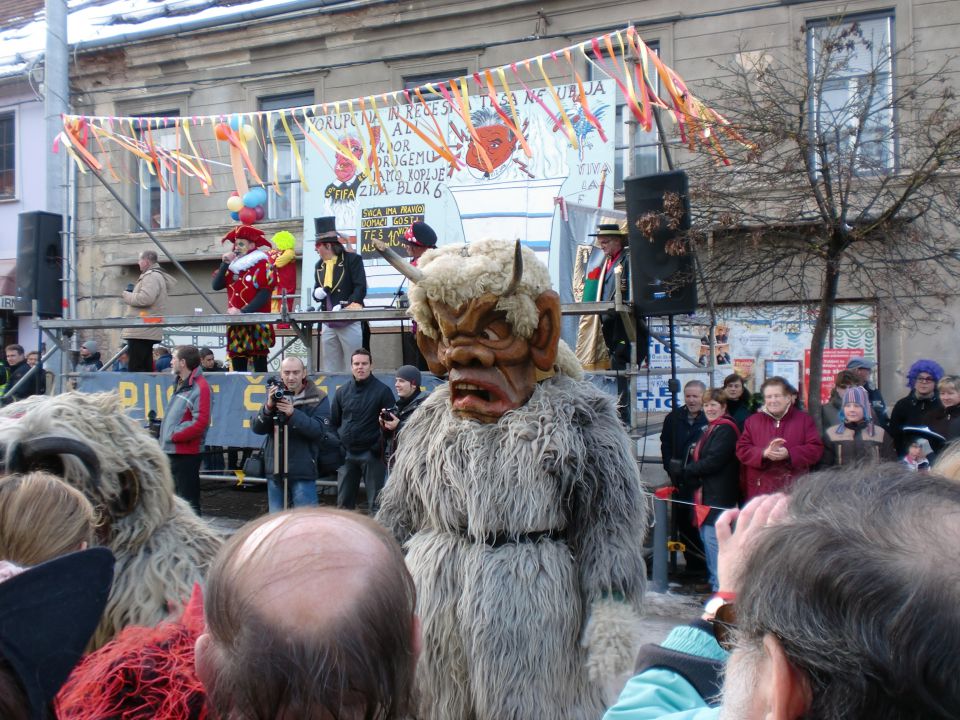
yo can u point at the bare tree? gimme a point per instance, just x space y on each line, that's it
847 187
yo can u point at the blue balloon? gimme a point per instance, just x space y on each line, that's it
261 195
235 122
235 216
250 199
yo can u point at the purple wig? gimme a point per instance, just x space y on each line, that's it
930 367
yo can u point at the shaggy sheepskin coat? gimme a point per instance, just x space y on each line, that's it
162 548
524 539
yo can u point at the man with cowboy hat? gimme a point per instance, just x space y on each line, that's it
249 277
340 282
613 240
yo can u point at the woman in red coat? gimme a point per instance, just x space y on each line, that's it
779 443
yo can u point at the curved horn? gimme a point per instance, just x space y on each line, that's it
412 274
517 271
29 452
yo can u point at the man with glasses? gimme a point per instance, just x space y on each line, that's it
831 607
922 379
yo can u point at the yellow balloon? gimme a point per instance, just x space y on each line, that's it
234 204
249 133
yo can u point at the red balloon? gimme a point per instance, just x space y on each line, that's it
222 131
248 216
260 212
234 194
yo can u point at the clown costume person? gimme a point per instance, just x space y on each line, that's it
249 277
284 259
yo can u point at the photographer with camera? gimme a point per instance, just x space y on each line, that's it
409 397
297 410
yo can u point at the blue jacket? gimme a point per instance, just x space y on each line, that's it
306 431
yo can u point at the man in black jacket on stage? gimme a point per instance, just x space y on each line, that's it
339 283
355 415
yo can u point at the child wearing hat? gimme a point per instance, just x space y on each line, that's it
856 438
917 452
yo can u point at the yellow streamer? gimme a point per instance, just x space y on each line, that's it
294 145
571 135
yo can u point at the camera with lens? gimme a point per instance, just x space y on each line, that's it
277 390
388 414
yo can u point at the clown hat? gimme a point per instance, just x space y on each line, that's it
421 235
248 233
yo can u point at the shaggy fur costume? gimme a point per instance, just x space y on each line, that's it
516 625
456 273
162 548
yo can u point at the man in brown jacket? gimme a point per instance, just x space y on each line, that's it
148 298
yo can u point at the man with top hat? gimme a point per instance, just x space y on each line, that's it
249 277
340 283
418 238
612 239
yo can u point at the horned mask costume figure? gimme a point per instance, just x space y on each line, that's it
518 500
162 548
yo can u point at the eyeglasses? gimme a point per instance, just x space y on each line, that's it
925 378
725 626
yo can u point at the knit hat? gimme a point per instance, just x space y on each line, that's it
91 346
409 373
856 396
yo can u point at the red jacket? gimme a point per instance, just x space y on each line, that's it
762 476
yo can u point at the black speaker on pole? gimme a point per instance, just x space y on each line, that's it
662 274
39 264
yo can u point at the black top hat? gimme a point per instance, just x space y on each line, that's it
47 616
420 234
326 229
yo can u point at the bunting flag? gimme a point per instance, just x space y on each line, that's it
621 55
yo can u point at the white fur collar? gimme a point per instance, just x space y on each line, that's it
245 262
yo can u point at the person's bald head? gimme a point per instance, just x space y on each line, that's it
310 602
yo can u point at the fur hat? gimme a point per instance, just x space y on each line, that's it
48 614
421 235
409 373
248 233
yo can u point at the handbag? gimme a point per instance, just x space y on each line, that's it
255 466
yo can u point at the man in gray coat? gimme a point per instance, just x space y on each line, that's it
148 298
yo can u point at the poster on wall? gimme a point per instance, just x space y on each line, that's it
750 337
501 186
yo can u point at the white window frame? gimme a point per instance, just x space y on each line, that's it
169 213
648 159
845 86
289 205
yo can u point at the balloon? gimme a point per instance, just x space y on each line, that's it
250 199
260 212
222 131
261 196
249 133
248 215
234 194
235 122
234 203
235 216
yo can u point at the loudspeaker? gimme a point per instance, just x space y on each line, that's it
39 264
662 281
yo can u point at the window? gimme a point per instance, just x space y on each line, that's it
646 155
158 207
414 81
279 154
851 69
8 163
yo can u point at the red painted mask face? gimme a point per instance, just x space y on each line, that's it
497 142
346 167
490 369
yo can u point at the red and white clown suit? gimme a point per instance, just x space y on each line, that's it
249 277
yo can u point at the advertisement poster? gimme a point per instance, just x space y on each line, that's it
497 191
834 360
750 336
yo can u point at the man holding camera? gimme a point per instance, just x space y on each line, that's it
409 397
300 409
357 406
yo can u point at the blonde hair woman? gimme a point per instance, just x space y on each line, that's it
41 517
